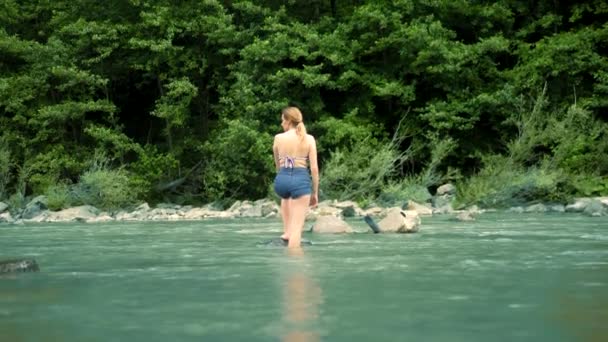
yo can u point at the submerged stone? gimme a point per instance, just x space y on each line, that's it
17 265
278 242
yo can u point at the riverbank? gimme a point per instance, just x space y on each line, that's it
36 211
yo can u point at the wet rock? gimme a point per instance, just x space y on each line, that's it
443 204
421 209
465 216
446 189
536 208
6 218
81 213
578 206
269 208
143 207
278 242
331 225
374 211
400 221
35 207
556 208
595 208
18 265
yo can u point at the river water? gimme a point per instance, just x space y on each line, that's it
504 277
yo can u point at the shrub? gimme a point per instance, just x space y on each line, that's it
105 189
239 163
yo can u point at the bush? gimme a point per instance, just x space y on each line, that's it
239 163
502 184
59 196
105 189
398 193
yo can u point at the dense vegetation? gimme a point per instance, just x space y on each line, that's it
113 102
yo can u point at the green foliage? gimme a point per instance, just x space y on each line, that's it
152 168
59 196
362 170
106 189
477 89
502 184
5 168
238 163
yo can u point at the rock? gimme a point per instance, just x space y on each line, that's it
536 208
446 189
269 208
326 211
143 207
557 208
578 206
517 210
421 209
3 207
465 216
6 218
168 206
349 212
604 200
345 204
81 213
374 211
278 242
331 225
400 221
235 206
35 207
443 204
14 266
103 217
595 208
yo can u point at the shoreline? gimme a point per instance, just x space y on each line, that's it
36 212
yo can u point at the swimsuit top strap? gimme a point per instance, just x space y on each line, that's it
290 162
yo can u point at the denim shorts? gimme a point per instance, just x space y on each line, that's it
292 182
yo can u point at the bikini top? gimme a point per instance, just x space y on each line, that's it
290 162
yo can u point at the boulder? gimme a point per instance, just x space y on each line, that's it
446 189
536 208
400 221
465 216
35 207
331 225
81 213
421 209
578 206
6 218
595 208
18 265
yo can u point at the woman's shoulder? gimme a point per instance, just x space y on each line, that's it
310 138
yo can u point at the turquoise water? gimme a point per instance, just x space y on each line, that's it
502 278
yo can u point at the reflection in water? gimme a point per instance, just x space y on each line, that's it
301 299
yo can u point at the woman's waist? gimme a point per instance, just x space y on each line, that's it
297 169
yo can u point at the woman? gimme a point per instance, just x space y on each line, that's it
293 150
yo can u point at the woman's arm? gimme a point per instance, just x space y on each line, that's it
314 171
275 152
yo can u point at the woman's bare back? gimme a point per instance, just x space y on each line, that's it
289 145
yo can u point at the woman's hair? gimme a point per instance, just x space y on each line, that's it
294 116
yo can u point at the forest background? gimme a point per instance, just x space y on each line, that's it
115 102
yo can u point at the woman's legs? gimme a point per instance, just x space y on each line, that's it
297 215
285 204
